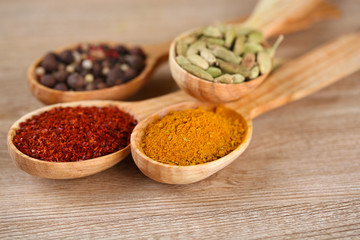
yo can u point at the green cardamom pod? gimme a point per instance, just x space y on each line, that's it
252 47
233 68
276 45
216 41
221 26
230 36
181 48
214 71
255 36
254 72
190 39
196 47
239 45
212 46
238 78
264 59
208 56
199 72
248 60
226 78
182 61
242 31
226 55
212 31
198 61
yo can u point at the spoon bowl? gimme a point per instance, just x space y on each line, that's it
206 90
173 174
65 170
155 55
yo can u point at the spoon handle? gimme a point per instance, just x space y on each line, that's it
144 108
304 76
272 16
320 12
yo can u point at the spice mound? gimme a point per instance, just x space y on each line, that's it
90 67
192 136
70 134
225 53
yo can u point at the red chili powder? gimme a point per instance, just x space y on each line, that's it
74 133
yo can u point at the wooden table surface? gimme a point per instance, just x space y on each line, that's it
300 177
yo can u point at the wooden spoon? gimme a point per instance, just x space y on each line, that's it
290 82
270 17
155 55
294 80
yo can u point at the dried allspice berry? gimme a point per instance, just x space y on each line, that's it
135 61
66 57
130 74
50 62
76 81
61 76
115 77
137 51
61 87
48 80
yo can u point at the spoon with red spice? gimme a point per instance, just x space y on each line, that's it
296 79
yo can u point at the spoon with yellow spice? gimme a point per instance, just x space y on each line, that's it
188 142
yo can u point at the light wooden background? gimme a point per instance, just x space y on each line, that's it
300 177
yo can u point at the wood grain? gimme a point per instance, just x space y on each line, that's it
298 179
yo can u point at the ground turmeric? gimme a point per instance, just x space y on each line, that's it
192 136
